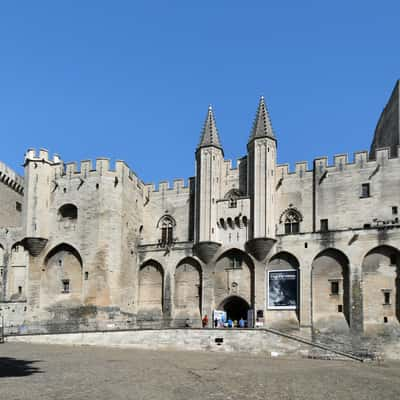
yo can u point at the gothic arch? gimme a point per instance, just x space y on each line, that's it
330 280
381 286
166 217
291 210
283 260
61 279
234 276
64 247
188 289
283 293
151 287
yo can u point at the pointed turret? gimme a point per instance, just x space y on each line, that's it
209 134
209 165
262 124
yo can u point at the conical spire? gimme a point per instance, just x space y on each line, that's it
209 134
262 124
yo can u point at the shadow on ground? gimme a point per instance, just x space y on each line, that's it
12 367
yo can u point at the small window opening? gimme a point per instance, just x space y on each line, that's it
86 275
340 308
60 262
365 190
18 206
97 186
334 288
385 320
394 210
65 190
19 289
324 225
65 283
386 298
68 211
305 245
232 203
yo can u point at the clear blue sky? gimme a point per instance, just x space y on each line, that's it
132 80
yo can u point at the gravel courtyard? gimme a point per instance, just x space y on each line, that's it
62 372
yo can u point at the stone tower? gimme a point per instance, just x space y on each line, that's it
261 175
209 162
38 177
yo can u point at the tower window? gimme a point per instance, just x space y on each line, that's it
292 222
68 211
65 283
334 288
386 297
365 190
394 210
19 289
18 206
324 225
167 231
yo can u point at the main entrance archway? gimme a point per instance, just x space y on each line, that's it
235 308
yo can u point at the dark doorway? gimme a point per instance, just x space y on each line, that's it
235 308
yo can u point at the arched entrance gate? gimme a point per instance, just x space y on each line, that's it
235 308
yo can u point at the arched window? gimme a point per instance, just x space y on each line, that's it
166 224
291 219
68 211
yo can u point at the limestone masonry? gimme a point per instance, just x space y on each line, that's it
90 246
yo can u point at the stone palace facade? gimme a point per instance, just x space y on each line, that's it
91 246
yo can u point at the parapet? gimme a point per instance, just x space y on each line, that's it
86 168
42 155
178 186
10 178
341 162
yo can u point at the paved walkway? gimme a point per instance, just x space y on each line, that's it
41 372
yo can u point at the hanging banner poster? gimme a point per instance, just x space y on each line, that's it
282 289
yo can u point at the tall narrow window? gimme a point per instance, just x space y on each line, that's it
65 283
365 190
324 225
334 288
386 297
167 231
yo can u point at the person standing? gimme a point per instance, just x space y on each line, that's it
205 321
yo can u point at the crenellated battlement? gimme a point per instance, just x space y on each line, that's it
178 186
10 178
341 162
86 168
41 155
228 164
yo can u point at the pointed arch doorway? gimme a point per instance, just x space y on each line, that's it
235 308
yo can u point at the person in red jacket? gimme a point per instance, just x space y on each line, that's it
205 321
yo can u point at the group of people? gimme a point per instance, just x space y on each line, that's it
221 323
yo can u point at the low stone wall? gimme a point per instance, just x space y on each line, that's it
223 340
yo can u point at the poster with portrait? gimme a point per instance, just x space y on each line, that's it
282 289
